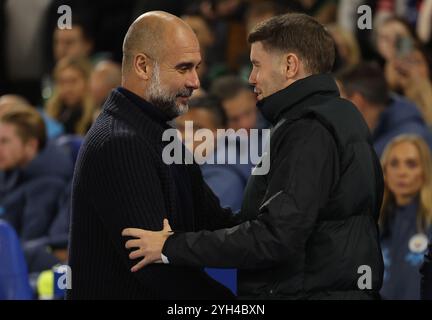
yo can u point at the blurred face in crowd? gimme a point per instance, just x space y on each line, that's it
241 111
204 36
387 36
253 20
413 65
71 86
418 60
14 152
269 72
174 76
104 77
404 172
201 29
202 119
99 88
71 43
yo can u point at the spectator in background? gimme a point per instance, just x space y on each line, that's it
76 42
406 215
34 173
414 74
71 103
408 10
387 115
208 70
239 103
226 180
105 76
257 12
226 20
347 47
392 37
53 127
50 249
324 11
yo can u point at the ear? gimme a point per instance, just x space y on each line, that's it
358 100
89 46
141 65
32 146
292 65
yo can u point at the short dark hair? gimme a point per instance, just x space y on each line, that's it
367 79
228 87
212 105
28 123
301 34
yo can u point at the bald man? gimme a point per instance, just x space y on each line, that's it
121 180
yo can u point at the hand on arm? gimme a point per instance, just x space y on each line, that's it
148 244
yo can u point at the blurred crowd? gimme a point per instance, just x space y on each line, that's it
53 84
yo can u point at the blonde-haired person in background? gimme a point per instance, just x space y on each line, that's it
347 47
71 103
414 72
406 215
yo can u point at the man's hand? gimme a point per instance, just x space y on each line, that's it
149 244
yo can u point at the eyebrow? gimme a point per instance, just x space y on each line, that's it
187 65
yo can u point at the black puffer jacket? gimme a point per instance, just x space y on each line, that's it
311 222
426 271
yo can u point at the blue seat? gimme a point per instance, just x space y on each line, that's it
14 281
227 277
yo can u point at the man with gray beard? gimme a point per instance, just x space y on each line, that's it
121 180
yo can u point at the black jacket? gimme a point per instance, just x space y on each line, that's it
312 220
426 271
121 181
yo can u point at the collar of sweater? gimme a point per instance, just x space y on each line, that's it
151 110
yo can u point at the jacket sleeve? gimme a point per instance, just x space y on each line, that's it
300 180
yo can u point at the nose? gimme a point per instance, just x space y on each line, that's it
193 81
402 171
252 78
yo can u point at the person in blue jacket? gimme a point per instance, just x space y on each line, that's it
45 252
406 215
225 179
387 114
33 173
53 128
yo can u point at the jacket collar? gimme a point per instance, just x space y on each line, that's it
151 110
296 94
133 112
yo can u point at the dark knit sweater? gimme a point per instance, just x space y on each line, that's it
121 181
